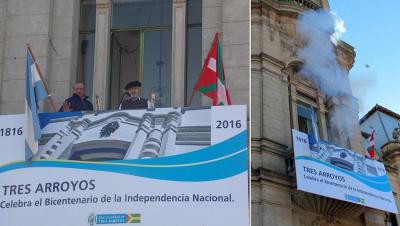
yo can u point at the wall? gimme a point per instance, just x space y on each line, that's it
50 27
231 17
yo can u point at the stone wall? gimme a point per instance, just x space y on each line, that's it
50 27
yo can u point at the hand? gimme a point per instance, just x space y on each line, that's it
67 107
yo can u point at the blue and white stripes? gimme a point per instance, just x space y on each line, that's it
34 93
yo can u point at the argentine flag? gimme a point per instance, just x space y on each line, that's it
34 93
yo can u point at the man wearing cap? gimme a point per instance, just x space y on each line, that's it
134 101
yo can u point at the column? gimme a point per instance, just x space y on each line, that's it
3 20
102 52
235 42
151 147
374 217
211 23
322 118
293 103
178 53
141 134
169 135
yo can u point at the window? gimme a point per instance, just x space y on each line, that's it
308 120
194 48
86 44
141 48
141 13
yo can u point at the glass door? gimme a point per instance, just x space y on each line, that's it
141 49
125 63
157 66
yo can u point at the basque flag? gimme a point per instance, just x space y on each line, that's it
34 93
212 82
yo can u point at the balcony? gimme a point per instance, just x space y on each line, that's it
309 4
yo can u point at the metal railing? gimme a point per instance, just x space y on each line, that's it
303 3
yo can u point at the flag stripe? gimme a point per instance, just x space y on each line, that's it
208 89
34 93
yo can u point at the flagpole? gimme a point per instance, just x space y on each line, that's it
53 105
191 98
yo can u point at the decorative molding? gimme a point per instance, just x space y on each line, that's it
331 208
179 1
262 174
103 5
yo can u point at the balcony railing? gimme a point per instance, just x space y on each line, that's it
303 3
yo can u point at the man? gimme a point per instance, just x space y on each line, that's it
134 101
78 101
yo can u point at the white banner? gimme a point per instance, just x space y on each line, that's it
162 167
335 172
12 142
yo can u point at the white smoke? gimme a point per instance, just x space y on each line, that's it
362 84
321 30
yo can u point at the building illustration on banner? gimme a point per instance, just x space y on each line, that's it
344 159
121 135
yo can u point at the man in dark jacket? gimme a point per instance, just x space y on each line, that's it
134 101
78 101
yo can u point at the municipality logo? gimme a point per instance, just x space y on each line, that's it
92 219
114 219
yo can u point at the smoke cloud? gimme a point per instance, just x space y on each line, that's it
321 30
362 84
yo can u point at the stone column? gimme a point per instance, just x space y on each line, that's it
322 118
211 23
102 52
21 23
3 20
235 48
374 217
140 137
178 72
169 134
391 159
63 52
293 103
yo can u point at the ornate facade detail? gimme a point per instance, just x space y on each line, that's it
396 134
125 135
108 129
330 208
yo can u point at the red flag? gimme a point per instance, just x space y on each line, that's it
371 148
212 78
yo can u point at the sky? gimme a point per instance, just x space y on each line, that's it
373 29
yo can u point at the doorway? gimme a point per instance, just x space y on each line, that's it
145 56
125 61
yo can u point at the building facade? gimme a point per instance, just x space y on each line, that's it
283 99
106 43
383 121
118 135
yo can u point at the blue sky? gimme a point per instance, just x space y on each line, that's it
373 29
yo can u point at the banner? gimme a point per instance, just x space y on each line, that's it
328 170
166 167
12 139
